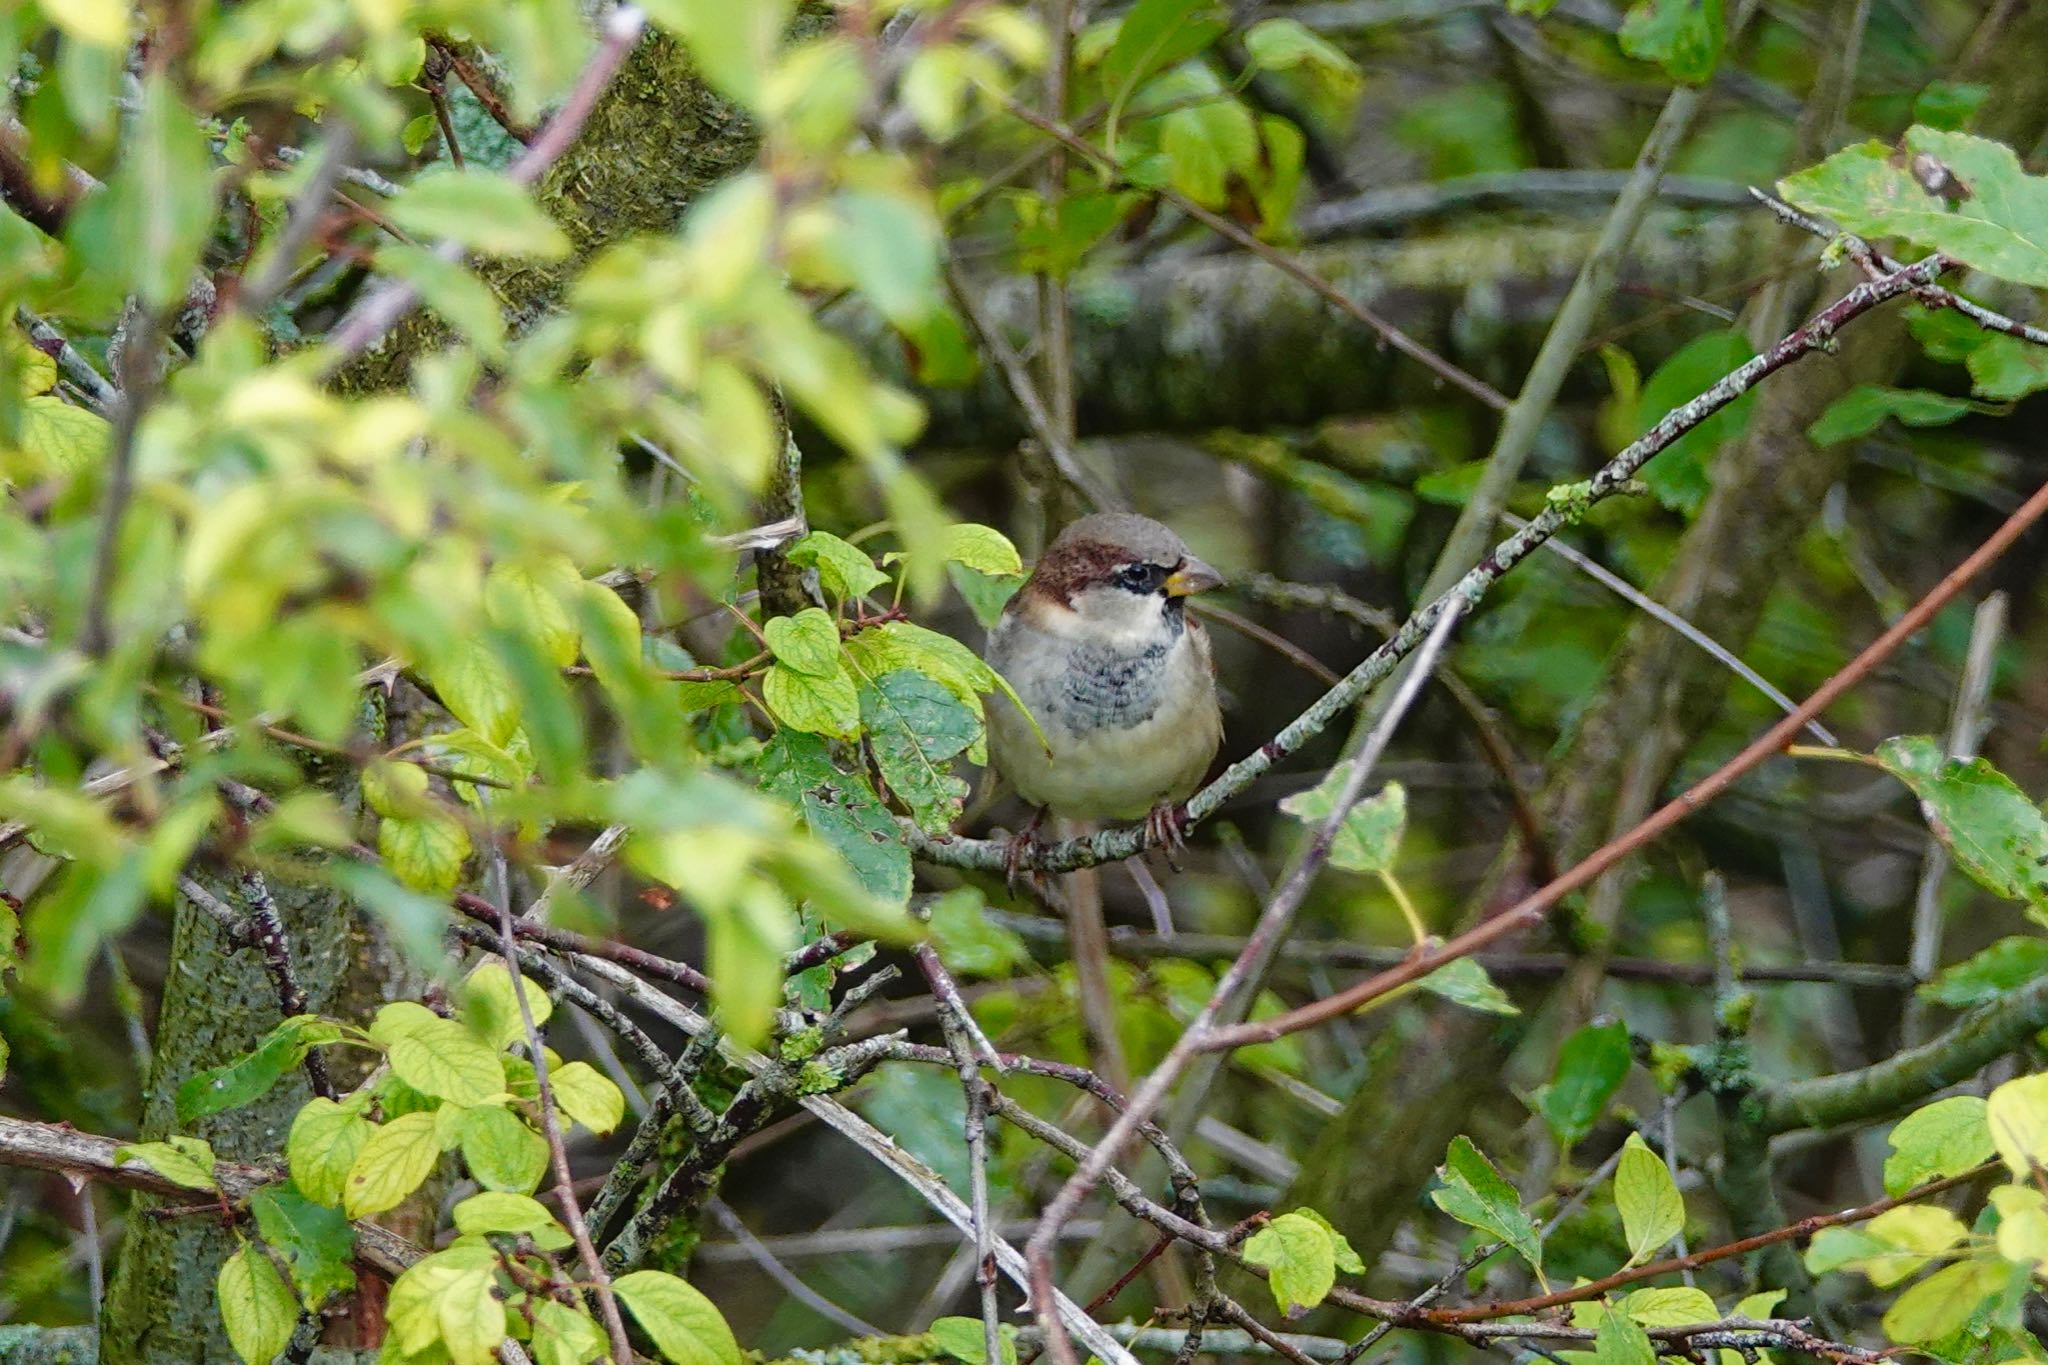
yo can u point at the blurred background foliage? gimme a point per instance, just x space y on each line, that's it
826 229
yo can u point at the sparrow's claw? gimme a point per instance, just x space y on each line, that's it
1017 846
1166 829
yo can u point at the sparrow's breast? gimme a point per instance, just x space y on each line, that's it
1127 727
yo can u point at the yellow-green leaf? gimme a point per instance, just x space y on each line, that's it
391 1164
679 1320
256 1306
1652 1212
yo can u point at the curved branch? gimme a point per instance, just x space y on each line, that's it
1979 1037
88 1156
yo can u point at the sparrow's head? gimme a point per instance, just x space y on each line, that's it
1117 573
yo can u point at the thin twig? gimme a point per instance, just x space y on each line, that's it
1110 845
1967 724
1651 607
1286 263
1272 926
139 370
558 1152
1535 906
787 1278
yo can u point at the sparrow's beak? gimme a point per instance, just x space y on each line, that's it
1191 577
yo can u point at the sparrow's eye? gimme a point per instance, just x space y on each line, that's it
1140 578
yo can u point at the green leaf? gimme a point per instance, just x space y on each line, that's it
1462 981
888 245
1288 44
1347 1258
465 302
426 852
1864 409
844 570
59 439
1370 836
1477 1195
318 1242
184 1161
748 939
412 1313
1911 1237
915 729
971 944
1940 1139
473 684
1591 1066
565 1336
256 1306
1300 1259
1994 832
502 1212
1676 1306
157 211
984 595
236 1083
2017 1115
1978 980
1949 105
1679 477
393 1162
481 210
2006 369
1943 1302
681 1322
1652 1211
822 705
471 1317
808 642
323 1143
1208 147
841 809
981 548
536 599
448 1063
491 1011
1966 197
590 1099
734 45
1620 1340
1682 36
501 1151
1154 35
965 1340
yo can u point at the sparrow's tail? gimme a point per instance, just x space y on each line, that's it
1089 935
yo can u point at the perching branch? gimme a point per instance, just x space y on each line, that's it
1567 506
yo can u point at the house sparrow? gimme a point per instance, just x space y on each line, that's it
1099 647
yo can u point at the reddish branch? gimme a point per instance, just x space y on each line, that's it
1531 909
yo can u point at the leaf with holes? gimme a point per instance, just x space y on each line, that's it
841 808
916 728
1963 196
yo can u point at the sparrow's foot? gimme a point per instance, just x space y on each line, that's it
1018 847
1166 829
